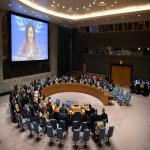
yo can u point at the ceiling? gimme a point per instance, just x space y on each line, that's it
74 13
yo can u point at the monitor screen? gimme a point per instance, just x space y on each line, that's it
29 38
68 104
57 101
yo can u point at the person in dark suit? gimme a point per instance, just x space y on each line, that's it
104 116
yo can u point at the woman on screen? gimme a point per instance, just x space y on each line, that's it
30 49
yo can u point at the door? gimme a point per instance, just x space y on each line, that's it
121 75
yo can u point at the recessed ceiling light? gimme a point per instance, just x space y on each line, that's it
70 8
130 9
112 5
94 3
102 2
90 5
9 5
63 6
53 2
52 5
83 7
116 2
139 15
77 8
58 5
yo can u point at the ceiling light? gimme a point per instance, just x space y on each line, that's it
9 5
139 15
94 3
83 7
148 49
53 2
102 2
52 5
112 5
63 6
70 8
58 5
116 2
77 8
90 5
135 8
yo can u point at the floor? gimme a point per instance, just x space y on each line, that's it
132 127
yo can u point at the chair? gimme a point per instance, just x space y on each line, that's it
37 129
30 126
109 132
127 98
75 125
50 133
86 136
62 124
60 134
84 125
120 98
22 121
53 123
77 116
101 135
76 135
16 117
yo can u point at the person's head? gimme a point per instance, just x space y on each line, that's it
30 33
103 110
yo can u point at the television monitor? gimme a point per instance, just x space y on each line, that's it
29 38
57 101
68 104
137 82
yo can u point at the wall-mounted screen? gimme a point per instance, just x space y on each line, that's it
29 38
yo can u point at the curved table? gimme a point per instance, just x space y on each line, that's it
77 87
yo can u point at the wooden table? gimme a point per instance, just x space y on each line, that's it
77 87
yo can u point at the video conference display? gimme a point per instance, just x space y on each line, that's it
29 39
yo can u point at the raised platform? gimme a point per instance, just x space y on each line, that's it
77 87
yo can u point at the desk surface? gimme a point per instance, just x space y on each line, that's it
77 87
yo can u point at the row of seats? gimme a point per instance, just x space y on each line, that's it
121 96
58 130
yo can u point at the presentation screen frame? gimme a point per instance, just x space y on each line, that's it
10 38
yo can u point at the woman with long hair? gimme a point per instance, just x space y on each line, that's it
30 49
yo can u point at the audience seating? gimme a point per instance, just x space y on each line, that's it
101 135
50 133
60 134
75 125
76 135
22 121
30 126
109 132
37 129
127 98
86 136
62 124
84 125
53 123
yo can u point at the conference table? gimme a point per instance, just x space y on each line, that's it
102 95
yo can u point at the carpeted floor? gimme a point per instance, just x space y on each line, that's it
132 127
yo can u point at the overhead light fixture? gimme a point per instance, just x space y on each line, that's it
85 16
102 2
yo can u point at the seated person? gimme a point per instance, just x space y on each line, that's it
62 109
104 116
91 110
94 117
99 126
